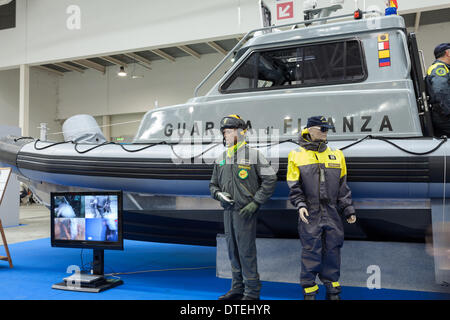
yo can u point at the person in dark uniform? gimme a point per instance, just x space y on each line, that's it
317 178
438 87
101 204
242 181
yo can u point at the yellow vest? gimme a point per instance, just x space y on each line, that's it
437 64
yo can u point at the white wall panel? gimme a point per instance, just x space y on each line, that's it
14 42
109 26
43 99
43 102
9 97
429 36
168 83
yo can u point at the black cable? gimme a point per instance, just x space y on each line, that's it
51 145
386 139
355 143
195 157
122 146
411 152
146 147
275 143
23 138
95 147
82 267
86 267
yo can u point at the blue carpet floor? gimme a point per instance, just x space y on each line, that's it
37 266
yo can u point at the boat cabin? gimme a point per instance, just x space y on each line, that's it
363 75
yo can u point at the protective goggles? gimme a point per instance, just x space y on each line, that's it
323 129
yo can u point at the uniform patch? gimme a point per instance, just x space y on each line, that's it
334 165
332 157
441 72
243 174
221 163
244 167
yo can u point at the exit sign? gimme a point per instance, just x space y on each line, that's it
285 10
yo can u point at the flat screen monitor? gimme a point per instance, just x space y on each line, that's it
91 220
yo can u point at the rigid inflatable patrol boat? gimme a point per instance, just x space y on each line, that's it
365 75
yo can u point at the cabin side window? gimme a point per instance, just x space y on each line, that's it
307 65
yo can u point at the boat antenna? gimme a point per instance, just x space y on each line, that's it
265 15
311 10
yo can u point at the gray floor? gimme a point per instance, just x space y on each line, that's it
34 224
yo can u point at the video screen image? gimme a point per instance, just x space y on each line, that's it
101 207
69 229
86 218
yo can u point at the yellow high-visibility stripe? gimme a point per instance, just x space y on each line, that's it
232 150
301 157
343 165
311 289
305 132
434 66
293 173
335 284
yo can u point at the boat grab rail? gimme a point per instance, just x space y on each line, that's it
405 48
269 28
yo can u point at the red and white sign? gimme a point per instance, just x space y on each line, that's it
285 10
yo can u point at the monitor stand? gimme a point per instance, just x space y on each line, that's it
95 282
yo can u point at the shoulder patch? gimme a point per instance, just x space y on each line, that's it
441 72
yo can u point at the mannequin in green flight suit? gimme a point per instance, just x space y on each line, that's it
242 181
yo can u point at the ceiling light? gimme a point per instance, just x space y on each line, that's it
122 72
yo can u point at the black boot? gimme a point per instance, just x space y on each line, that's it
333 296
231 296
309 297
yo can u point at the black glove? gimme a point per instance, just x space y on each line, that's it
249 209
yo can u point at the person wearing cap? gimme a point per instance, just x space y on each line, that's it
317 178
438 89
242 181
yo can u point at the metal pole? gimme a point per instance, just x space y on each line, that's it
43 132
24 99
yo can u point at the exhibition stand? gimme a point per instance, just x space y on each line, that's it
5 174
87 220
94 283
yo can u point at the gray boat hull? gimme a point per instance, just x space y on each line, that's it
170 202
